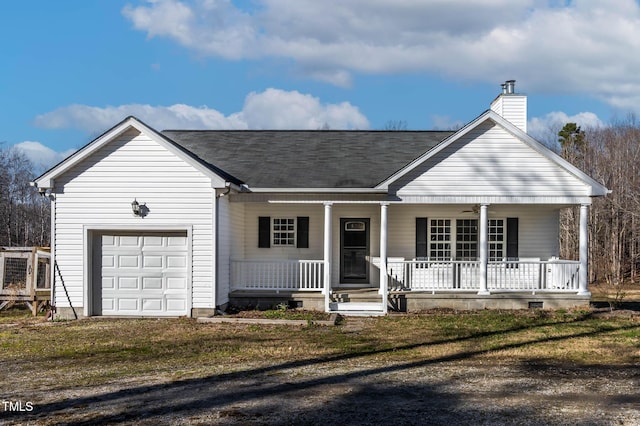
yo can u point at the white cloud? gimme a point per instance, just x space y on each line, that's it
278 109
580 46
271 109
41 156
546 128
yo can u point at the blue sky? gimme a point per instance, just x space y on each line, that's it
71 69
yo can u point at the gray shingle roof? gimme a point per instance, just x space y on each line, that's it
306 159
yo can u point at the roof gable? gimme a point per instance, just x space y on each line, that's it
47 179
555 167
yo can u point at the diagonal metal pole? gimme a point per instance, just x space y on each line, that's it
65 290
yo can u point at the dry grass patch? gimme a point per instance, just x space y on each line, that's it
101 351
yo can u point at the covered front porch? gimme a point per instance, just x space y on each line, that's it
457 258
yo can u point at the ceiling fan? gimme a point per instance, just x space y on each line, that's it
475 209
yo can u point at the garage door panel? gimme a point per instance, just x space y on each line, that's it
177 242
152 283
143 274
176 262
176 305
127 304
128 283
128 261
153 241
129 241
177 283
108 283
108 261
152 261
152 305
108 304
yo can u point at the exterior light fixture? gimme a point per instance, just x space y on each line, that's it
135 206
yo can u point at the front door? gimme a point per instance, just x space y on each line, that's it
354 251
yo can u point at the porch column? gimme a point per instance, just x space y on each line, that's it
583 276
327 255
383 251
483 249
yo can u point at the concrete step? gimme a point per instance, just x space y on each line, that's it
357 308
357 296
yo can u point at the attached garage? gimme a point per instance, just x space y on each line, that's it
140 274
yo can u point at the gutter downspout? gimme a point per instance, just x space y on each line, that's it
52 248
215 248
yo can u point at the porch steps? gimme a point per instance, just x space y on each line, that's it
357 308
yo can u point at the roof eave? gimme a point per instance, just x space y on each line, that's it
320 190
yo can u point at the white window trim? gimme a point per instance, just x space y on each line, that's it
502 242
452 241
277 242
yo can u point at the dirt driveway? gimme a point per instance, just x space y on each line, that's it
444 392
440 392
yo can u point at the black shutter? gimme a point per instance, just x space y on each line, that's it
302 232
264 232
421 237
512 238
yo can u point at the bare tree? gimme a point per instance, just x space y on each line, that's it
395 125
611 155
24 215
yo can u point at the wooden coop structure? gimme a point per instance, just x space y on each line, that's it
25 277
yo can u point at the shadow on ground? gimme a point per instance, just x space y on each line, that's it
458 388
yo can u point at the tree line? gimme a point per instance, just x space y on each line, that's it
24 214
611 155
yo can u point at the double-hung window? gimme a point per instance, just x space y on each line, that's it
496 239
466 239
284 231
440 239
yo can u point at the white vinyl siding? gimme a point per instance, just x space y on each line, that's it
97 193
489 162
513 108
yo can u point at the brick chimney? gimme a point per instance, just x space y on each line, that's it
511 105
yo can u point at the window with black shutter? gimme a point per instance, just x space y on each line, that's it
264 232
302 237
421 237
282 232
512 238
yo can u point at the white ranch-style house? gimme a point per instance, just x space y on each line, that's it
173 223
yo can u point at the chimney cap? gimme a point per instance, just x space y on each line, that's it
509 87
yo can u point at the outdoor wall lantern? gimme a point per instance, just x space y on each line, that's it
135 206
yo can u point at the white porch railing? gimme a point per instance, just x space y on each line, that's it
516 275
421 275
297 275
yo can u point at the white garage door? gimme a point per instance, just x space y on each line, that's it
143 274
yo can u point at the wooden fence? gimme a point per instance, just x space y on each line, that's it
25 277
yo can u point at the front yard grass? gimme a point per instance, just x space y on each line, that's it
36 354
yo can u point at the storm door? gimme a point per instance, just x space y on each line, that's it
354 251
